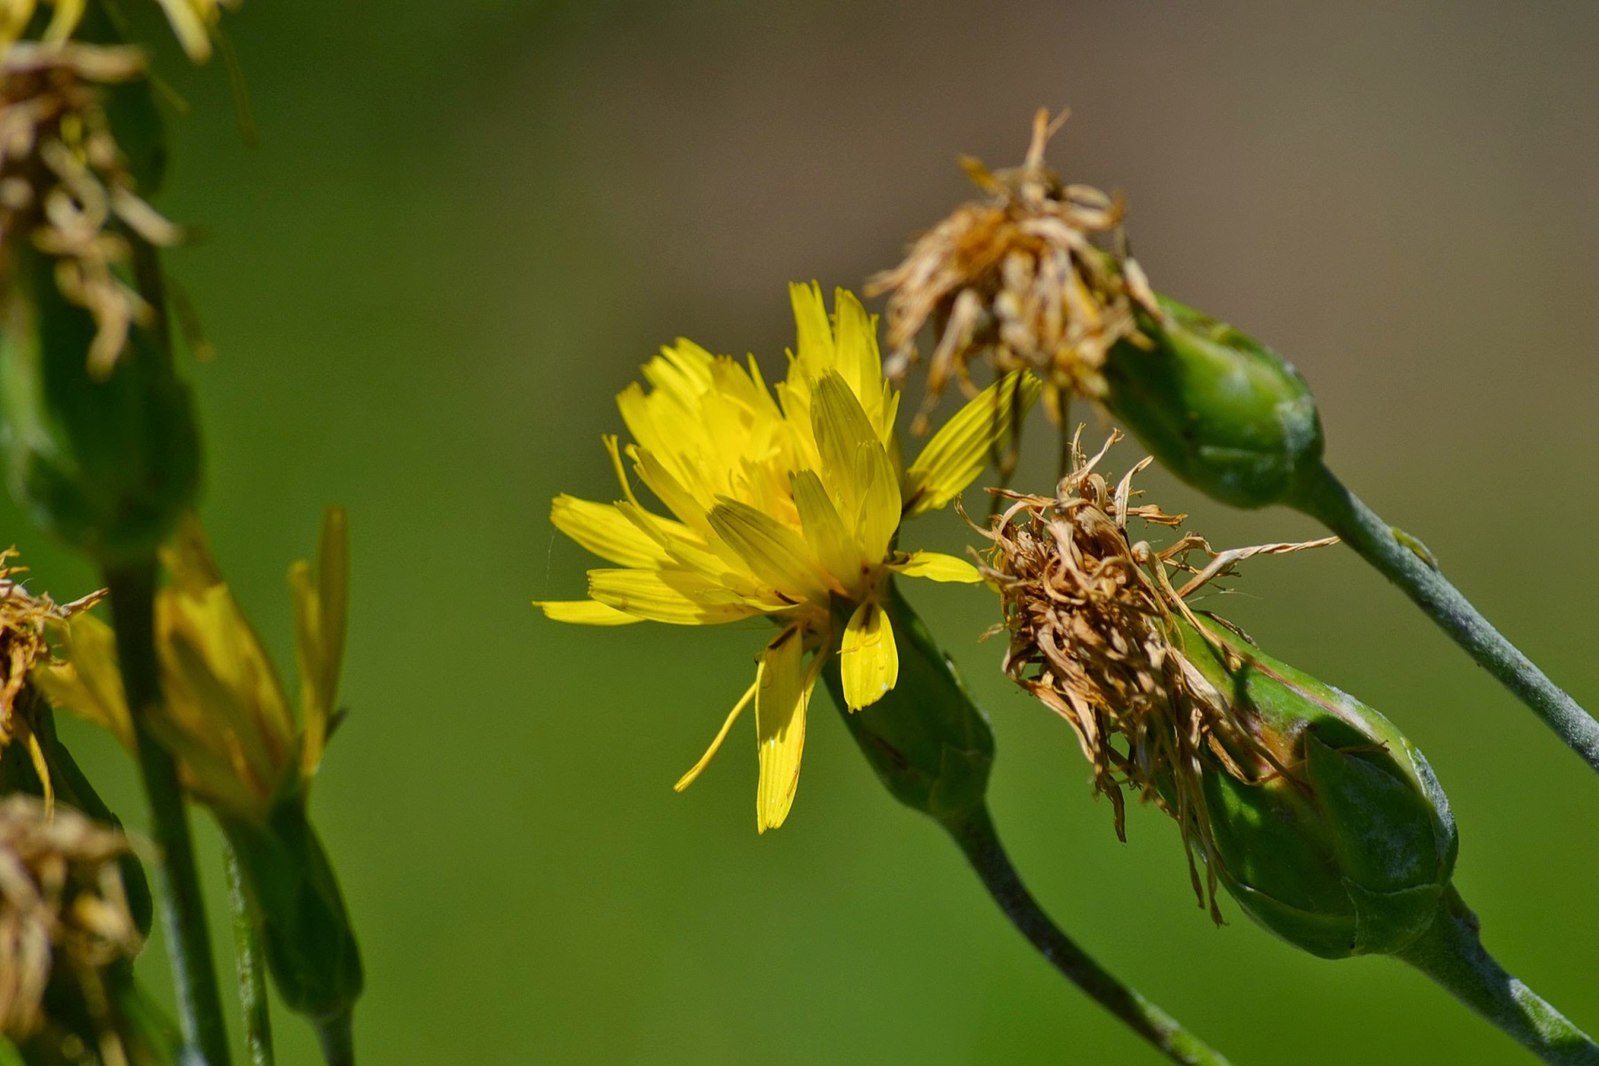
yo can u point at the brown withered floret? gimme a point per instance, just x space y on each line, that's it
1031 277
1091 613
23 645
65 186
63 912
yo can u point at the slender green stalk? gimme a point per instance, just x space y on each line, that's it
182 905
1404 562
251 966
974 832
1451 953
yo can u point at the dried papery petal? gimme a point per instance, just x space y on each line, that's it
66 187
1027 278
1099 635
63 912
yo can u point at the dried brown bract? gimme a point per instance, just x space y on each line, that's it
63 912
65 185
23 645
1029 277
1100 635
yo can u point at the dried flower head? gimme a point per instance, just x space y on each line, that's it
23 646
65 186
193 21
1100 634
63 912
1029 277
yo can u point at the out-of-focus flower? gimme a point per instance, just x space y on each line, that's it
193 21
785 506
63 913
225 716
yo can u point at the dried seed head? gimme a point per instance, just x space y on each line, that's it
1029 277
63 913
66 187
23 645
1100 635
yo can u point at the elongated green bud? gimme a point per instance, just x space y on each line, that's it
928 742
1226 414
295 901
108 462
1349 850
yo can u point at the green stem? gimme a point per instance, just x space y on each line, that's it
1451 953
974 832
251 965
1406 563
182 905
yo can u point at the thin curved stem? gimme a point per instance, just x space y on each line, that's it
1403 560
974 832
1451 953
181 903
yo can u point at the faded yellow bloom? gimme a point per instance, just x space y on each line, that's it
225 717
783 503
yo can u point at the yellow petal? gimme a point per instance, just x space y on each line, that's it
319 622
88 683
855 341
716 744
782 691
188 20
607 532
936 566
840 428
869 658
674 596
964 445
774 553
813 345
584 612
824 530
879 501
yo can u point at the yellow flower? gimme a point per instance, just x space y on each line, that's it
782 505
225 716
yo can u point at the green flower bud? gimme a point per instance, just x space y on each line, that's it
106 461
928 742
294 899
1226 414
1350 850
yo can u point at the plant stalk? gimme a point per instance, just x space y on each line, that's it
974 833
1406 563
182 905
1451 953
251 967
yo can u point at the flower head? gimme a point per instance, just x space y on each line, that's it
1101 635
63 913
225 716
783 502
193 21
1024 277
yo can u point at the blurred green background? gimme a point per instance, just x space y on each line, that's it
467 224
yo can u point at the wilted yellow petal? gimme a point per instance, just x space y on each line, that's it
673 596
88 683
868 658
716 744
774 553
606 531
782 691
936 566
584 612
966 443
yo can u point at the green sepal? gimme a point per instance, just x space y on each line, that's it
294 899
108 465
1351 851
927 741
1223 412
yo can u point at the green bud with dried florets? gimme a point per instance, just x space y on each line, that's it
1348 849
1223 412
926 740
1311 809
